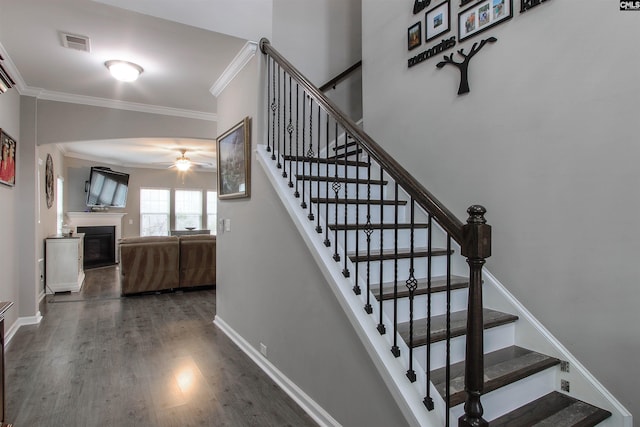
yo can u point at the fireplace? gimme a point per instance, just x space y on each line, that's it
99 245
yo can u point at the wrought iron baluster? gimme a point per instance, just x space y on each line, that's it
412 285
278 165
296 194
448 342
274 108
303 205
290 131
356 286
345 270
368 229
335 186
428 400
381 328
310 155
395 349
269 88
318 226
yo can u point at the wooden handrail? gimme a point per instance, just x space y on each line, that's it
340 77
421 195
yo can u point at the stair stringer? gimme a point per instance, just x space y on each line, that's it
531 334
409 396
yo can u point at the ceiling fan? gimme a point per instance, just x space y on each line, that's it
183 163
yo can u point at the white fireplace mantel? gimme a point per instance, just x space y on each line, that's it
94 219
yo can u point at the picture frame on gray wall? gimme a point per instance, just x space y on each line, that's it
8 148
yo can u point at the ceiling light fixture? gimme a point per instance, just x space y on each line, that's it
183 163
123 70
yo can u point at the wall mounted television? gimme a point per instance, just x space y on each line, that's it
107 188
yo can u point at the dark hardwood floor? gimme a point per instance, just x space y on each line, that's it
156 360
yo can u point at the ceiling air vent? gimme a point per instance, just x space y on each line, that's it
74 41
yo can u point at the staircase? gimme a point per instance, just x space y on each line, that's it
401 254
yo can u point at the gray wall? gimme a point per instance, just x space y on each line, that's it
66 122
547 141
10 231
270 290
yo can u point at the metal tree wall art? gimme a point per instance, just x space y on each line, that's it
464 65
418 5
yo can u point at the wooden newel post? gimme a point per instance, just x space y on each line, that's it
476 247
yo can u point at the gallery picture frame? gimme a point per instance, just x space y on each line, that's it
482 16
8 149
234 161
437 21
414 35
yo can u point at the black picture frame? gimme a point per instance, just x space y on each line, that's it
414 35
482 16
437 21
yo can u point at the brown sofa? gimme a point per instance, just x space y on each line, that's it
158 263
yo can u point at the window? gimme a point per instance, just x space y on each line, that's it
188 208
154 211
212 211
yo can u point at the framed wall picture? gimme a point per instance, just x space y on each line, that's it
414 35
438 20
234 158
482 16
8 160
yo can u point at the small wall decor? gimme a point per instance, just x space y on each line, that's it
234 161
414 35
48 181
464 65
463 2
419 5
529 4
8 159
482 16
438 21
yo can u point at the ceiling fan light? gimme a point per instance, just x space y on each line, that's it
183 164
123 70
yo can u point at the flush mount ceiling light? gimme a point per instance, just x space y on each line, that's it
123 70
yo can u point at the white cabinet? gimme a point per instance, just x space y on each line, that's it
63 260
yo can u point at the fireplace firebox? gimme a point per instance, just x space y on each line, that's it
99 245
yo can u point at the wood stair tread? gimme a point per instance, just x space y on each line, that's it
438 284
388 254
554 410
325 160
343 201
501 367
361 181
492 318
386 226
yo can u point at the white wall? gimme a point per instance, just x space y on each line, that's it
547 141
9 215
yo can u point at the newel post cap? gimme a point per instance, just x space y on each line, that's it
476 234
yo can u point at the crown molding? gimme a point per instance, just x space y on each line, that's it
43 94
235 66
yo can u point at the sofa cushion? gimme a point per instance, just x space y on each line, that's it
149 263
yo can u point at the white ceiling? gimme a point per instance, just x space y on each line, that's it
180 45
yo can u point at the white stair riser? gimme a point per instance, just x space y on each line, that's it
311 168
513 396
375 212
494 339
438 268
311 187
387 236
438 304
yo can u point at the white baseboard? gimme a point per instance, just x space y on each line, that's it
21 321
315 411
